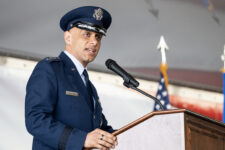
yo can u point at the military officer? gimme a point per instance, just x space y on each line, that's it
62 109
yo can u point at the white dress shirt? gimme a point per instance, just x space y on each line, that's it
79 66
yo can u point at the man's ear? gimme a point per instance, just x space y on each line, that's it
67 37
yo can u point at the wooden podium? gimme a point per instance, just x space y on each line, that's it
178 129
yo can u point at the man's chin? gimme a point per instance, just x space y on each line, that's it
90 60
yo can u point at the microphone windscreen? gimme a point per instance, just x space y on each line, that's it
108 63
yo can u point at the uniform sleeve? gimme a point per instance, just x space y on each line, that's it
105 125
40 101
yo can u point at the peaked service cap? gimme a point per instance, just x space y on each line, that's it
90 18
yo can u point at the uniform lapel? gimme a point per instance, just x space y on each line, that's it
75 78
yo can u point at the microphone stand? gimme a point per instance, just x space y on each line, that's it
129 85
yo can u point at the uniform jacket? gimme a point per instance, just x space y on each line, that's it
57 111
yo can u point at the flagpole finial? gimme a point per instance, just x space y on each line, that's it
162 46
223 59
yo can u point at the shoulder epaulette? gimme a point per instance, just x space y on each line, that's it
51 59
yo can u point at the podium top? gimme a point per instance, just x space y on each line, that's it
154 113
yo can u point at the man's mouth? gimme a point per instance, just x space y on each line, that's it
90 50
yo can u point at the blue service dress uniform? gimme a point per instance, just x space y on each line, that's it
58 112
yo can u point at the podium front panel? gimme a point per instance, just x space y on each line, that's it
159 132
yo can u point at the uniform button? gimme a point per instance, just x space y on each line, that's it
94 116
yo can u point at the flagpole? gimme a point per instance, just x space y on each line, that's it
162 47
162 93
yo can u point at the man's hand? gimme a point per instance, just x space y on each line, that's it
100 139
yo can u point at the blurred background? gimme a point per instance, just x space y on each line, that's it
193 30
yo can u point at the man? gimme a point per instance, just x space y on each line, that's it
62 108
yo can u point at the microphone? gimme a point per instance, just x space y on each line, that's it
128 79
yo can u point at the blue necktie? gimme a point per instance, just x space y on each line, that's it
88 86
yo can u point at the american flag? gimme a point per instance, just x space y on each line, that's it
162 95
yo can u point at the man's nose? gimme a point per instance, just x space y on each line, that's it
93 40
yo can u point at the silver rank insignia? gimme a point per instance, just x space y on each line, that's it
98 14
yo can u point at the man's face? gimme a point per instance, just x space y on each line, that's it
83 44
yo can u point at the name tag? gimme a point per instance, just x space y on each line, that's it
71 93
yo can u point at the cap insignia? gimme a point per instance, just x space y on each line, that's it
98 14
